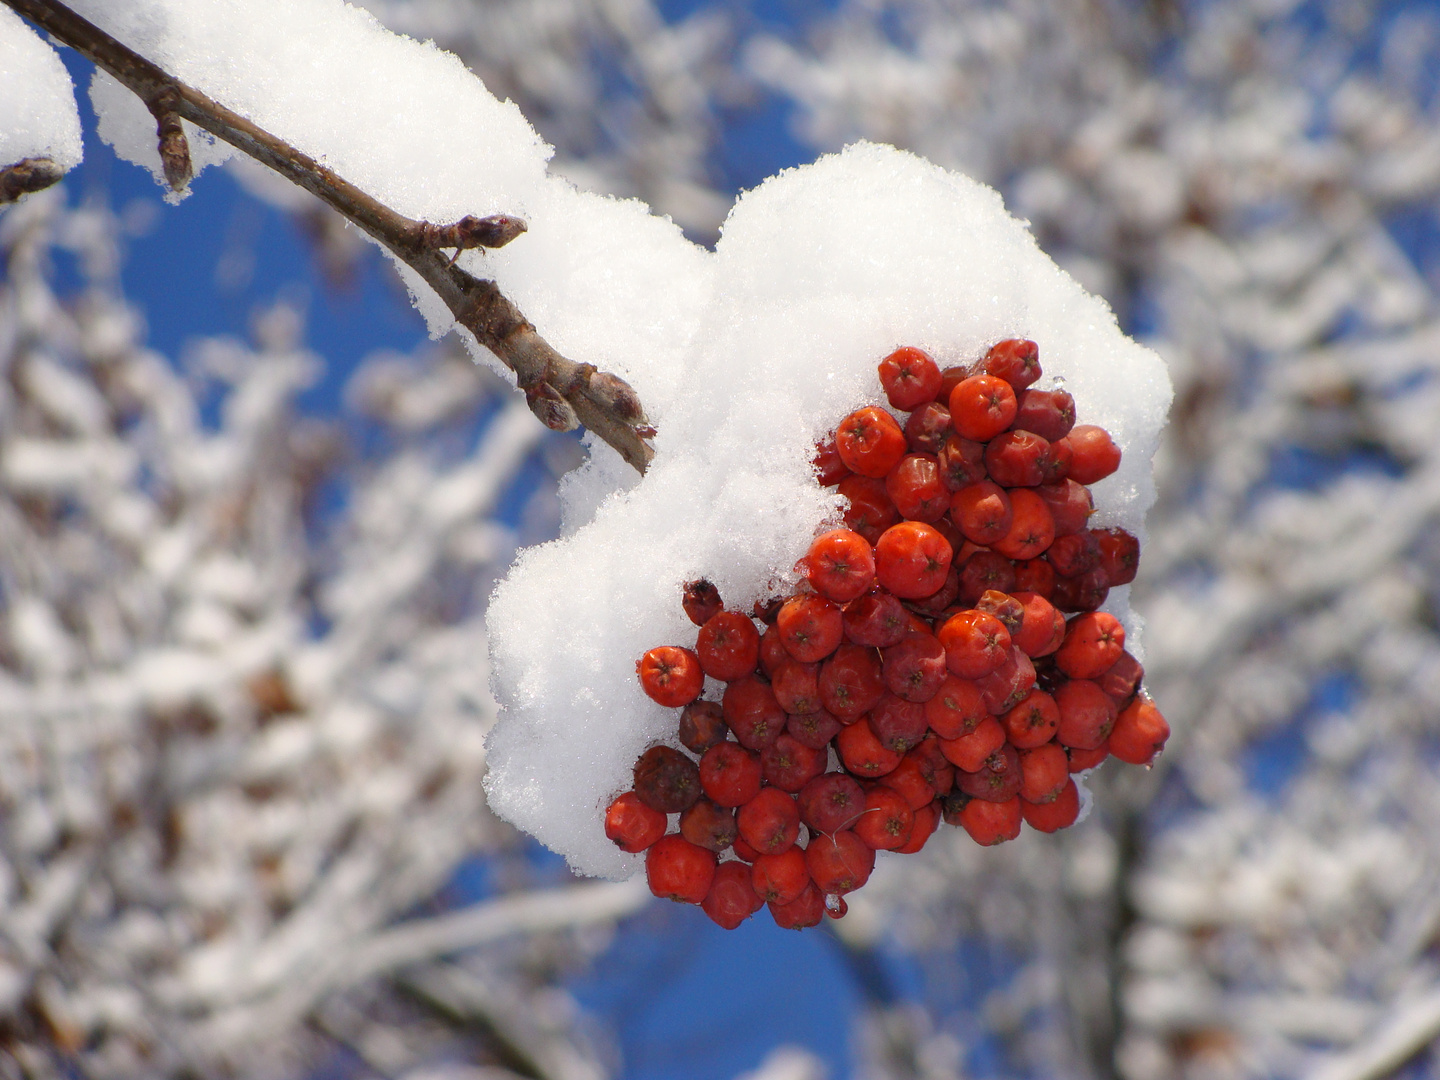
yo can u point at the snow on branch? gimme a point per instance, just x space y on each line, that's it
561 392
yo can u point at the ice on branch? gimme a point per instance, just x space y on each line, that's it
819 273
38 118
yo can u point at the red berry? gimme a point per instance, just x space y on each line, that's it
806 910
937 769
1093 642
666 780
770 822
927 428
1055 463
1016 360
1080 760
938 602
969 751
1059 813
840 565
982 512
1048 413
796 687
1086 715
985 571
1044 771
885 824
910 378
914 486
981 407
952 377
730 774
878 618
789 764
839 862
728 646
1139 734
851 682
709 825
1070 505
975 644
1035 576
897 723
1094 454
991 823
912 559
862 753
1004 607
811 628
772 651
1016 459
671 676
915 668
744 851
779 879
701 601
909 778
678 870
1119 555
961 461
869 510
1032 723
1083 593
956 709
1122 680
702 725
632 825
1032 526
829 468
1073 555
990 784
927 819
814 730
752 712
831 802
731 899
870 442
1007 685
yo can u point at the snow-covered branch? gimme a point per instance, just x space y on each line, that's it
561 392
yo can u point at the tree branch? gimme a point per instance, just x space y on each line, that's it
559 391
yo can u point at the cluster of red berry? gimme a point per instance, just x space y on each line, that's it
923 671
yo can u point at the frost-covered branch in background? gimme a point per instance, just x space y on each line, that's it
559 391
242 739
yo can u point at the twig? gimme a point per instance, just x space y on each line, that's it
428 939
1410 1029
559 391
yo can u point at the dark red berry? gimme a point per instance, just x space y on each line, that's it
701 601
666 780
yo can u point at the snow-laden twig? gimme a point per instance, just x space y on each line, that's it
1414 1027
559 391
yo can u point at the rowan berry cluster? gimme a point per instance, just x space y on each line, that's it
923 671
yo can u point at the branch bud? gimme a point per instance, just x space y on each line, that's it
26 176
616 395
553 410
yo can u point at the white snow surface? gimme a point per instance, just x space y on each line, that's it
38 117
743 357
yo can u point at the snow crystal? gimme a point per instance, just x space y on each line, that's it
743 357
820 272
38 117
